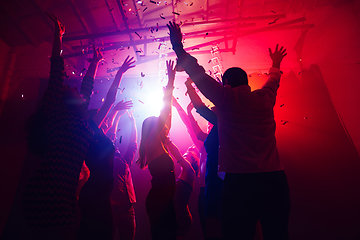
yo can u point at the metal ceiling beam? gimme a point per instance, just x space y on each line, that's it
124 18
79 17
127 31
282 26
112 15
137 15
269 28
201 33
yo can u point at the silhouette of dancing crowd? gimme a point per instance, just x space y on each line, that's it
83 187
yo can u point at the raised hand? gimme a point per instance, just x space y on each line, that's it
171 72
59 27
123 105
175 33
277 56
128 63
97 55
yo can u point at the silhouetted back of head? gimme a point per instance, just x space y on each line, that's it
235 77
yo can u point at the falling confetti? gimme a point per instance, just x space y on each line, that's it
141 102
282 105
284 122
102 100
175 13
120 139
153 2
162 16
138 35
144 9
191 4
142 74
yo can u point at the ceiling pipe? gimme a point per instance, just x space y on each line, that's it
281 26
186 35
127 31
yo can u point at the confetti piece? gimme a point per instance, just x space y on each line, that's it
102 100
73 72
209 61
83 69
142 74
273 11
305 118
175 13
186 4
153 2
191 4
120 139
111 9
162 16
195 49
138 35
141 102
284 122
157 27
282 105
144 9
210 72
113 61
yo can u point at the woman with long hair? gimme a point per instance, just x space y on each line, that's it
153 153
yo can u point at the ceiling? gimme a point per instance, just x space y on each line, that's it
140 25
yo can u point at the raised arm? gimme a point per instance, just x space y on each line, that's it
115 114
87 83
165 112
277 56
187 120
58 35
53 95
130 153
199 105
111 95
209 87
200 135
272 83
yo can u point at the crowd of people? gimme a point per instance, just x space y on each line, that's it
83 169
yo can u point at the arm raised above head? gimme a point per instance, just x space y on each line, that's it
277 56
165 113
111 95
208 86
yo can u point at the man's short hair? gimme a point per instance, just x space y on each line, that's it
235 77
